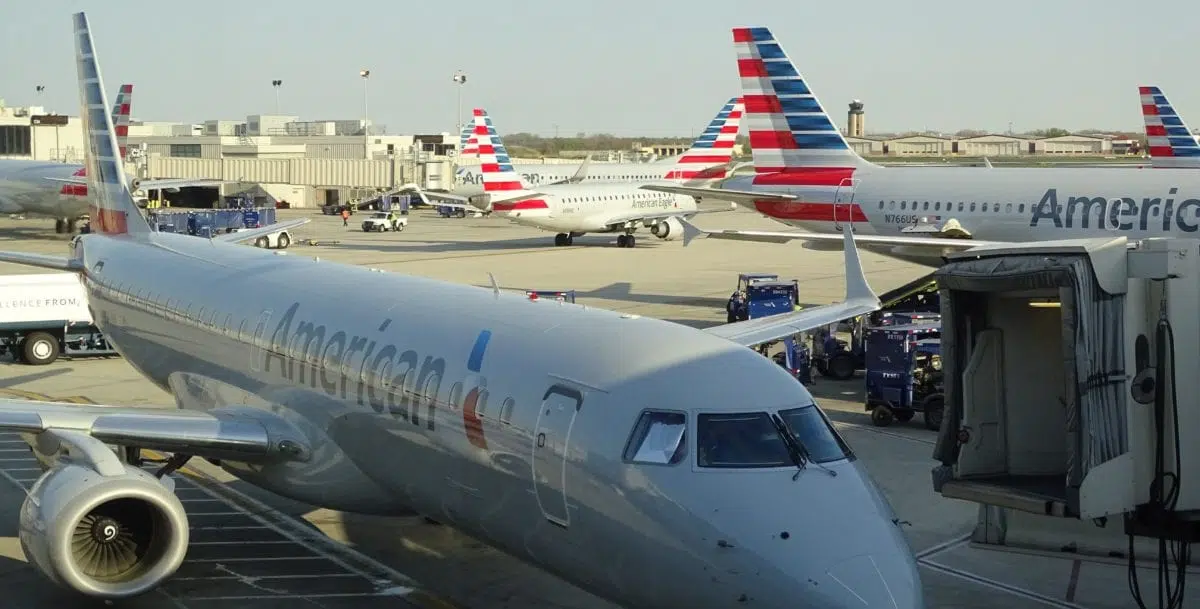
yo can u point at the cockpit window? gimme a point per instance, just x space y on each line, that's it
740 440
659 438
815 434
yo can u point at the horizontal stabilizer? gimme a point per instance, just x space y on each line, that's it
860 300
721 194
57 263
254 233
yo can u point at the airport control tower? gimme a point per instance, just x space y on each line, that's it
855 119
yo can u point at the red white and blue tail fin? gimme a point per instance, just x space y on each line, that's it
468 144
112 209
500 180
710 154
790 132
1170 141
120 117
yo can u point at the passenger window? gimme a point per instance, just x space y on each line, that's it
925 206
743 440
658 438
1021 208
506 411
984 208
972 206
1008 208
960 206
881 205
937 206
904 205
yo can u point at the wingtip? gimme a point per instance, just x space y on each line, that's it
690 231
857 287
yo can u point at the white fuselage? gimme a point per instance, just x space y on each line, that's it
468 179
593 208
483 411
997 204
29 187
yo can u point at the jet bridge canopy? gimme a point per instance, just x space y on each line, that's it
1033 353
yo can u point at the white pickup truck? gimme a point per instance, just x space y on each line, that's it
43 316
379 222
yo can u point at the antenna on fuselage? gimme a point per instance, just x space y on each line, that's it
495 285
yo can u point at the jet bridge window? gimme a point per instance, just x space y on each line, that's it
743 440
658 438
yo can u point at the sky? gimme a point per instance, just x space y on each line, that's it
637 68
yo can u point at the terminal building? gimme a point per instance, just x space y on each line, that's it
313 163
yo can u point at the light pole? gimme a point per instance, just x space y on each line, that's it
276 84
365 74
461 79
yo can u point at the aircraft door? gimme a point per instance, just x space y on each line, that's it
551 441
843 202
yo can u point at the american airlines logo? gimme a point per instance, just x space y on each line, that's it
476 179
28 303
1122 214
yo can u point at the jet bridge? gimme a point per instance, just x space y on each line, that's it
1062 397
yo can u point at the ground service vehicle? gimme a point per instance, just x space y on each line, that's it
381 221
904 374
761 294
43 316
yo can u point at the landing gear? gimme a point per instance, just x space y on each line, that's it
626 241
563 239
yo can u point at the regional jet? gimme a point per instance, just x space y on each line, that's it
469 179
615 207
650 463
807 175
59 190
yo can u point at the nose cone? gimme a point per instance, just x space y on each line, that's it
888 581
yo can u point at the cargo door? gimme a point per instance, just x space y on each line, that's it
983 418
551 441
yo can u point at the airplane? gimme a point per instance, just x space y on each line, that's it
59 190
599 464
469 179
806 175
615 207
1170 142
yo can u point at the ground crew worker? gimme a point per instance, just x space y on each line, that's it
392 218
345 217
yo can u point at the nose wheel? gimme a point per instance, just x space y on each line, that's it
626 241
563 239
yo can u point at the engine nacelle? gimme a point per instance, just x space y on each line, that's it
669 229
104 536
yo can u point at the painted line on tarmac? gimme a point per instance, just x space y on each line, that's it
884 432
999 585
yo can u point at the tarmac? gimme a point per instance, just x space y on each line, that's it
253 550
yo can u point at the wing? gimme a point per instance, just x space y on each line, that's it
254 233
57 263
720 194
166 184
648 216
244 434
931 245
859 301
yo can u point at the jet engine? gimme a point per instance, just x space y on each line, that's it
110 537
669 229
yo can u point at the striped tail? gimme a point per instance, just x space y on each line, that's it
791 135
710 154
112 209
120 118
1170 141
468 144
500 180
